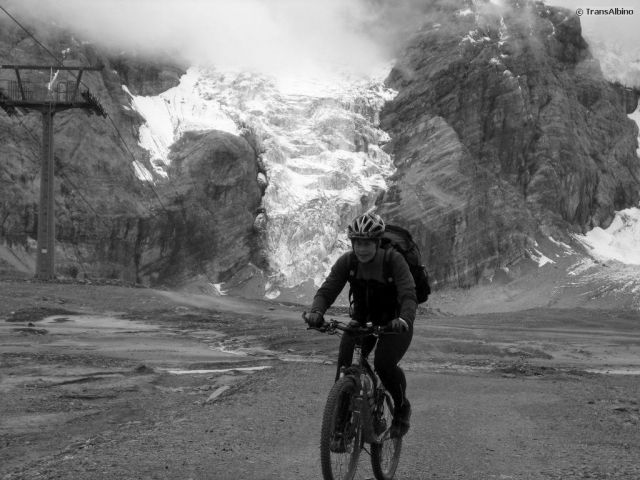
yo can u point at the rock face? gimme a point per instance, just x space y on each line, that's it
212 201
504 132
109 222
146 77
504 129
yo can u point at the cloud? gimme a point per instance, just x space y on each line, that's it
624 29
257 34
278 35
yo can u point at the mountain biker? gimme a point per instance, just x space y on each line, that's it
377 301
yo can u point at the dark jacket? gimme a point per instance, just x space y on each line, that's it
375 299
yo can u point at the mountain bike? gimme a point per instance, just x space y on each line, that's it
358 411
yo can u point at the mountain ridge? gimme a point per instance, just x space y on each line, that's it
536 141
464 138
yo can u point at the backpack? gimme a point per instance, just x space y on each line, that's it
401 240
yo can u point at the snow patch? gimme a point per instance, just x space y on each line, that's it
474 36
141 172
620 241
635 116
218 288
538 257
186 107
566 247
503 31
581 267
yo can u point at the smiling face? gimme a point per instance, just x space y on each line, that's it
365 249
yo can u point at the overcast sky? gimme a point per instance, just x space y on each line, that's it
270 34
258 33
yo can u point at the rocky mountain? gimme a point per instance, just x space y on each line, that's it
505 130
110 223
495 133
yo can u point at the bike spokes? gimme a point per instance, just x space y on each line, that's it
386 454
341 438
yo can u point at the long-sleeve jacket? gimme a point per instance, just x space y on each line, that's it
375 298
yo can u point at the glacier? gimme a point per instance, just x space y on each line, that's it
321 147
619 241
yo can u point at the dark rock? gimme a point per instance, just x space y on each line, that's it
147 77
143 369
503 130
207 225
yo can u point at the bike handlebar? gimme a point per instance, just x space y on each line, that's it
332 325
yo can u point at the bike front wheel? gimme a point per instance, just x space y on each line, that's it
386 454
341 435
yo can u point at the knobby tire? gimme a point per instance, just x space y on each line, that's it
339 411
386 455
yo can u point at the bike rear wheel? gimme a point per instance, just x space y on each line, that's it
341 435
386 454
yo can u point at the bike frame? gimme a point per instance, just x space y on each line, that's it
369 409
358 369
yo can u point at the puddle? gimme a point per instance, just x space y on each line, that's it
223 349
252 351
59 323
218 370
38 422
61 319
445 367
614 371
305 359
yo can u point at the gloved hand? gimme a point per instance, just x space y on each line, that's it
399 325
314 319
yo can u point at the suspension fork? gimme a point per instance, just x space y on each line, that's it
365 412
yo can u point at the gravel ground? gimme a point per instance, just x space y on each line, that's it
91 387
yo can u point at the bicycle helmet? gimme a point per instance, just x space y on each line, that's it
369 225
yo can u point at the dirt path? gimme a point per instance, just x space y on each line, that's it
96 388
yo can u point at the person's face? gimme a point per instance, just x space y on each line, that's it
365 249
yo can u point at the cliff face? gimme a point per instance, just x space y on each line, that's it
109 222
503 132
144 76
504 129
213 196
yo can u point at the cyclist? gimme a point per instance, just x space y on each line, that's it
375 300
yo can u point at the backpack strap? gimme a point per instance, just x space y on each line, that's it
353 266
353 269
386 266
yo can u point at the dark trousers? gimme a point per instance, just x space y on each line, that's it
389 351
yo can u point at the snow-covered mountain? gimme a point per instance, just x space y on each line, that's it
321 144
321 148
502 138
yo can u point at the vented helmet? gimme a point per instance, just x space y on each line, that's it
369 225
